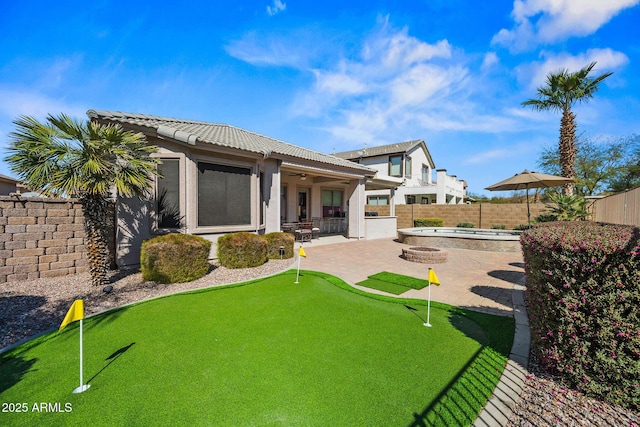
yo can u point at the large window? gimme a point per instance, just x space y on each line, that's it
425 174
168 194
378 200
395 165
224 195
331 203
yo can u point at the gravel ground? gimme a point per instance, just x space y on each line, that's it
30 307
544 401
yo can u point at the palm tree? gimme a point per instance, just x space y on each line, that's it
87 160
562 90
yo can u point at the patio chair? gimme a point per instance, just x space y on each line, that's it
315 229
304 231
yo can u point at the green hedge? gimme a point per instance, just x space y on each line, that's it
277 239
428 222
242 250
174 258
583 288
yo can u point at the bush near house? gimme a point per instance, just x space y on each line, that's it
583 287
242 250
277 239
498 227
428 222
174 258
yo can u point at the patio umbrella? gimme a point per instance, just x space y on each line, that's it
526 180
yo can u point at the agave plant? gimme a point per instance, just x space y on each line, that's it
87 160
566 208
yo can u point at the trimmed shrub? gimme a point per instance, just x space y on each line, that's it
498 227
546 218
242 250
428 222
277 239
465 225
583 288
174 258
521 227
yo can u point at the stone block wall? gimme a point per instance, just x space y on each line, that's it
482 215
40 237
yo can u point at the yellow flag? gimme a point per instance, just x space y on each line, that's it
302 252
76 312
433 279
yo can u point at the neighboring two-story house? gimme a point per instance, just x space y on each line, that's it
10 186
410 165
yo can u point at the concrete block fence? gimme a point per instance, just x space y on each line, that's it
40 237
481 215
44 237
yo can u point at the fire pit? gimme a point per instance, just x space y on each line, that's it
425 255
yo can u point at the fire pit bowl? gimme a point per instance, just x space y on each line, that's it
425 255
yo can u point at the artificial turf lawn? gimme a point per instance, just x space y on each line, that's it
267 352
392 283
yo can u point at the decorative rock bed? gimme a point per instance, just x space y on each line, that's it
425 255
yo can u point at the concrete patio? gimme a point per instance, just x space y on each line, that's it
478 280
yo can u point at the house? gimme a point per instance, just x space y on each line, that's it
410 166
215 179
9 186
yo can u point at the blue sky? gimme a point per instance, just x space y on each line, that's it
331 75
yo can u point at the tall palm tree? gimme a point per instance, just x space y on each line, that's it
561 91
87 160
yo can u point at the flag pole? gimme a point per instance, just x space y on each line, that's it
428 299
82 387
299 258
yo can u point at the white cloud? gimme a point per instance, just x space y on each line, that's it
535 74
392 74
338 83
16 102
278 6
426 83
257 49
487 156
394 86
550 21
489 61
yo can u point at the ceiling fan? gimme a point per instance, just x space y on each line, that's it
302 176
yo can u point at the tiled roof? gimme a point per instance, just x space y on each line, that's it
222 135
382 150
9 179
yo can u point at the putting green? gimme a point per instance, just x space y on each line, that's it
268 352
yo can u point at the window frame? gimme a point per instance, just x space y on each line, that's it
155 228
253 196
342 199
399 174
378 198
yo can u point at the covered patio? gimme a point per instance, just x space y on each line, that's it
328 201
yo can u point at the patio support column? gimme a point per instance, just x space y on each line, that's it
392 201
441 186
357 200
272 190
